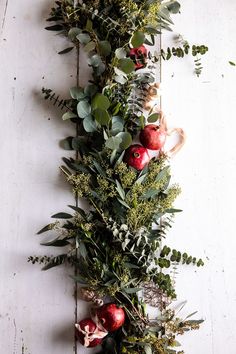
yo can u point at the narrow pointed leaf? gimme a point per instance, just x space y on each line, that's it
62 216
67 50
46 228
56 243
120 190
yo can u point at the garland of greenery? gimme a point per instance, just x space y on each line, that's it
117 246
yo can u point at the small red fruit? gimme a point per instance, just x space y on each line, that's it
153 137
111 317
139 56
137 156
85 331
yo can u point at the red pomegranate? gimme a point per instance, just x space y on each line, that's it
137 156
86 333
153 137
111 316
139 56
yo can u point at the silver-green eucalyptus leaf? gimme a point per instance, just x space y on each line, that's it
83 109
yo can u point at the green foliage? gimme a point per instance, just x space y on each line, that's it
55 99
184 50
125 204
51 261
66 50
137 39
103 26
168 255
167 343
126 65
116 247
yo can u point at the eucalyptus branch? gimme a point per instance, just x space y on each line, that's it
114 248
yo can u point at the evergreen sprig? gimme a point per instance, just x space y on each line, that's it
116 247
55 99
195 50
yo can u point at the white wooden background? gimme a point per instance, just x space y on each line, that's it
37 308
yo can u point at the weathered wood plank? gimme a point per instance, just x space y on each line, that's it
205 168
36 308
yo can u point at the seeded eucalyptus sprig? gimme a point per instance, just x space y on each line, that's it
125 204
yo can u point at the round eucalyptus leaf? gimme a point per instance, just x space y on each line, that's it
77 93
120 79
95 60
100 101
83 109
100 69
137 39
126 140
117 125
90 90
102 116
174 7
66 144
120 53
83 38
89 124
78 143
113 143
126 65
73 33
69 115
104 48
89 47
117 119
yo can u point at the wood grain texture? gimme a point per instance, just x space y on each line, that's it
37 308
206 170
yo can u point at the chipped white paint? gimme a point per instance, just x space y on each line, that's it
36 308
